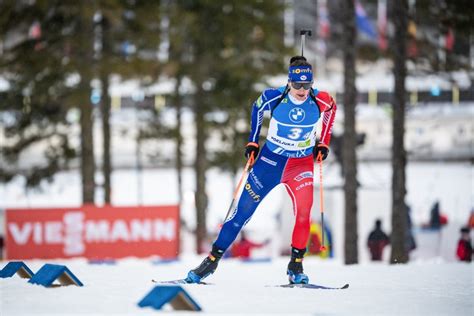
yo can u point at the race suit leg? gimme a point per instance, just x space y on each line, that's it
298 179
264 176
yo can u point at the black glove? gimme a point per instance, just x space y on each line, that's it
251 148
320 151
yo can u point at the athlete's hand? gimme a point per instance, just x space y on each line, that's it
320 151
251 148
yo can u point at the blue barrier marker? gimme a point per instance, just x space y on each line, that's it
173 294
52 272
16 267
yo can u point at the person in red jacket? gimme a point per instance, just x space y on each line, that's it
243 248
464 251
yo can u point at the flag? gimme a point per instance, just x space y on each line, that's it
412 28
412 49
382 24
363 22
35 31
323 19
449 40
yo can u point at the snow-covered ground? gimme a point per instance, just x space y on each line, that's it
431 284
429 288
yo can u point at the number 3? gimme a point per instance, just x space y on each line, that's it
295 133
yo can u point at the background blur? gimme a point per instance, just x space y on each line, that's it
146 103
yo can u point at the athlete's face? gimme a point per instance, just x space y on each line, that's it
300 90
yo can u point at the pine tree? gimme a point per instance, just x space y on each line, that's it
50 72
229 48
123 26
36 103
349 153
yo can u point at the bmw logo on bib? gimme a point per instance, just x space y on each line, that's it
297 115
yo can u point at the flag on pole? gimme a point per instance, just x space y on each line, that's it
412 44
382 24
35 31
363 22
449 40
323 19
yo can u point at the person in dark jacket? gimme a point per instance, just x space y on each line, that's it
464 251
377 241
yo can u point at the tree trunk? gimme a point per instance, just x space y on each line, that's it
87 147
87 123
399 210
349 154
106 164
200 169
105 108
179 138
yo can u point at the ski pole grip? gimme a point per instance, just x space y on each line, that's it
319 157
303 33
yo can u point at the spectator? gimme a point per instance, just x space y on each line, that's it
377 241
464 251
314 247
437 219
435 216
243 247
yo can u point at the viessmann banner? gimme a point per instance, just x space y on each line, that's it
92 232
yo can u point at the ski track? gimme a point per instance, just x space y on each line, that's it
417 288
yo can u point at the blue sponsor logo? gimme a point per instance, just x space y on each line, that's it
297 115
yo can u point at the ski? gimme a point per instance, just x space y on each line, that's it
301 286
178 281
313 286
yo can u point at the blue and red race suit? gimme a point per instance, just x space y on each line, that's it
286 157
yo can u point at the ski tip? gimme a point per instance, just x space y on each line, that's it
313 286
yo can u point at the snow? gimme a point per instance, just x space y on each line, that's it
238 288
433 283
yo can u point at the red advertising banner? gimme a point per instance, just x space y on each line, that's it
92 232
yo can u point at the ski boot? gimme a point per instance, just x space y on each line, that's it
295 267
207 266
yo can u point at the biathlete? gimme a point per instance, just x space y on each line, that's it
286 157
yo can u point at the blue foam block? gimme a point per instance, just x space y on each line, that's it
52 272
173 294
16 267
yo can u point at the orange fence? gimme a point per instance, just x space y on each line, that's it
92 232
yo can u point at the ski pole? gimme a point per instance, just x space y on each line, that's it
303 39
245 173
319 158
